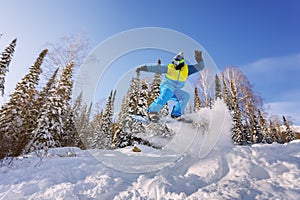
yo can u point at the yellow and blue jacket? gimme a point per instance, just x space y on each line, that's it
175 78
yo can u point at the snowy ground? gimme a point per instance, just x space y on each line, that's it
227 172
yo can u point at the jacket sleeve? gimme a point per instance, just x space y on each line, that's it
157 68
196 68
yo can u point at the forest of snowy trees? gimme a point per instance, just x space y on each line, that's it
38 117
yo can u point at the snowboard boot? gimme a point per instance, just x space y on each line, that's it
153 117
178 118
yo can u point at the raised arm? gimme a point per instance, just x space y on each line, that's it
200 63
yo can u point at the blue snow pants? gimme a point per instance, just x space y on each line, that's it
167 92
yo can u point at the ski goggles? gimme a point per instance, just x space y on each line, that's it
177 62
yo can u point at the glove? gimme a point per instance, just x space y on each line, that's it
198 56
141 68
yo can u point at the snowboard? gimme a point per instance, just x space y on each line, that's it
157 119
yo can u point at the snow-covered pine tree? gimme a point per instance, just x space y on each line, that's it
142 100
247 132
63 90
107 123
44 94
16 116
123 110
85 129
124 135
93 140
218 88
290 134
237 128
256 129
5 60
77 110
197 100
274 133
70 133
103 133
227 98
133 94
54 114
82 115
70 136
127 126
154 91
38 105
116 132
264 129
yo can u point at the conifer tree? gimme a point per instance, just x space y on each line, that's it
227 98
77 110
133 95
123 110
256 129
38 105
95 138
274 133
154 92
237 128
70 136
44 94
104 129
54 114
244 138
247 132
82 115
5 60
142 100
16 116
128 126
218 88
124 136
266 135
85 128
290 135
107 123
197 101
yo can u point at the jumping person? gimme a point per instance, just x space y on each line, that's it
177 73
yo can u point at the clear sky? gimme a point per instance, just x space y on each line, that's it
262 37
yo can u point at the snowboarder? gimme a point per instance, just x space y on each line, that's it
172 84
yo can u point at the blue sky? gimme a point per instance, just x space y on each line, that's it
260 37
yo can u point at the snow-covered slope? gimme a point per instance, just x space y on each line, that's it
227 172
258 172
